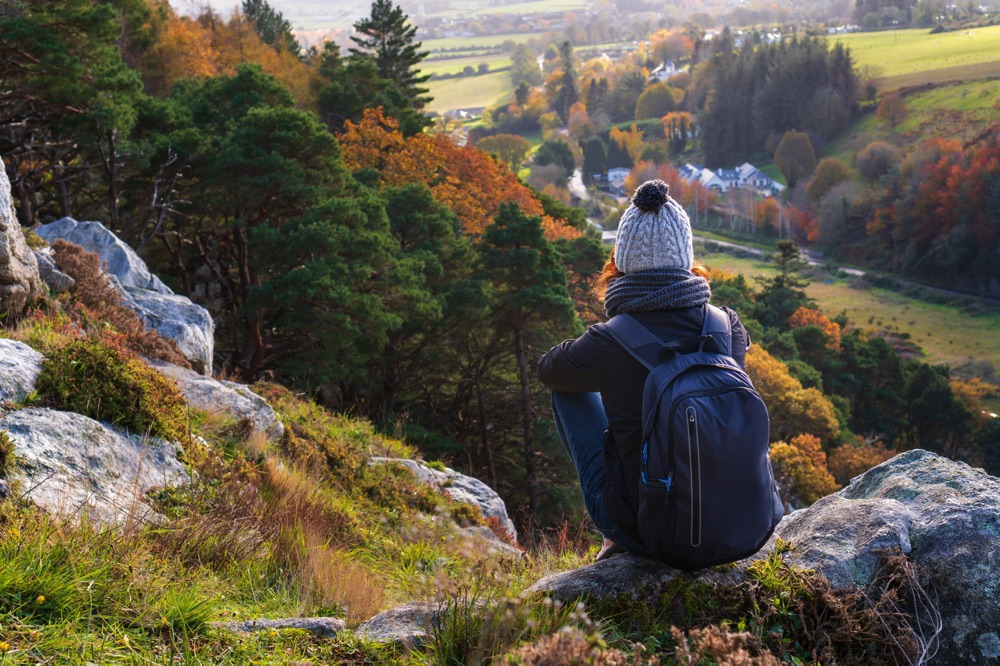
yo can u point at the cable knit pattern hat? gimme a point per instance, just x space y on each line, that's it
654 232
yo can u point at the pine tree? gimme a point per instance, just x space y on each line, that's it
271 26
568 93
387 37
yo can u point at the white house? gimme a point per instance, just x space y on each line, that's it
722 180
663 72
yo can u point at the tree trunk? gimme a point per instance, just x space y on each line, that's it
111 165
527 406
491 468
62 190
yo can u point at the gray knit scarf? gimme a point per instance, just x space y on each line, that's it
658 289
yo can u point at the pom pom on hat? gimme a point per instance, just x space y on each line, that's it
654 232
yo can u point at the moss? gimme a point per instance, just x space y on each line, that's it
99 378
6 454
33 240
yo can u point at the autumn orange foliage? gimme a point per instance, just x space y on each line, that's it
210 46
808 317
800 468
848 460
463 178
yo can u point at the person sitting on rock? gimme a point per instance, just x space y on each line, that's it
597 384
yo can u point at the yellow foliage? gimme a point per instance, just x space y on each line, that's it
793 409
800 466
630 141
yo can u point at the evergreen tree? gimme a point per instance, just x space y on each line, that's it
568 92
271 26
595 159
387 36
530 305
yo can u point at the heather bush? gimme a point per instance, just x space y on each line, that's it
100 378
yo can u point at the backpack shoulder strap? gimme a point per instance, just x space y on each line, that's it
719 328
636 339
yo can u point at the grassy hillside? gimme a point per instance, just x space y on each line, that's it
908 57
467 8
955 110
473 91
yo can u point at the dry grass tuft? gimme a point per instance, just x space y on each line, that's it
720 645
97 300
570 647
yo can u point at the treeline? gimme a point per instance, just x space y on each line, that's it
748 97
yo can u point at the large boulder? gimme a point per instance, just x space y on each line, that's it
463 488
71 465
19 369
945 515
234 399
51 275
120 259
19 281
172 316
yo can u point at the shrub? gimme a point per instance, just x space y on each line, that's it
849 460
102 302
801 468
6 454
100 378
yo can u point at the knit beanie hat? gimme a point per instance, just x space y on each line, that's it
654 232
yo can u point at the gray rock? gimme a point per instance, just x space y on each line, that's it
172 316
945 515
324 626
71 465
626 576
51 275
179 319
483 538
234 399
120 259
19 368
462 488
19 281
406 626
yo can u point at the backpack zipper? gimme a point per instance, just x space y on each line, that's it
665 482
694 454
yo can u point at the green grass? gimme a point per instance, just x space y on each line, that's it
907 52
946 333
456 65
466 92
955 111
476 42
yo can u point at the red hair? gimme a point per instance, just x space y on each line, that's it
610 271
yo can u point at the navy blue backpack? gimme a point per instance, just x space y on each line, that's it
707 493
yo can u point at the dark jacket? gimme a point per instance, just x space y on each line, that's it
595 362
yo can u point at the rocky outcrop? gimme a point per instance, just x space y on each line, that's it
323 626
71 465
19 281
172 316
406 626
944 515
234 399
463 488
19 368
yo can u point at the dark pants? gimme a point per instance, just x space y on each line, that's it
581 423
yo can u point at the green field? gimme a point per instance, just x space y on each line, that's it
473 43
456 65
902 54
468 92
481 7
946 334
